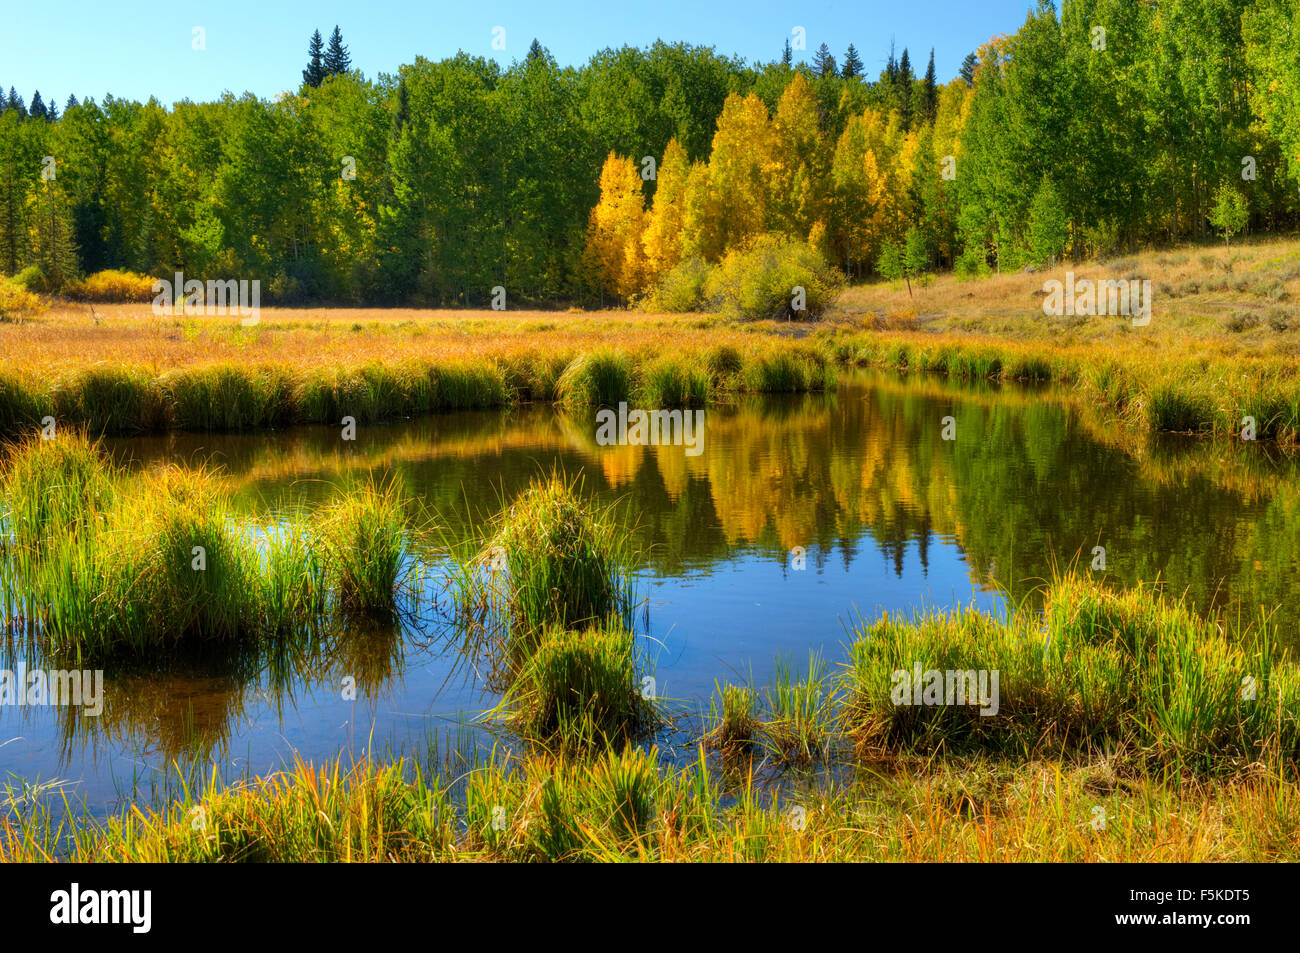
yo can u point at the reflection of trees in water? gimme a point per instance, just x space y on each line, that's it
1031 481
184 708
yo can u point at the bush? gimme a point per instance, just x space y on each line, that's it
1241 321
681 288
758 280
113 285
17 301
30 278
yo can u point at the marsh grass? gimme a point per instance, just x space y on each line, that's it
552 558
733 717
799 713
100 562
674 383
579 690
599 379
1098 671
627 805
363 537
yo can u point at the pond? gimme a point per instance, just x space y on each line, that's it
800 514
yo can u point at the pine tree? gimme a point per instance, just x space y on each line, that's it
930 91
55 251
70 104
824 62
16 103
535 50
905 79
337 60
852 63
315 72
403 113
51 111
967 71
787 56
37 110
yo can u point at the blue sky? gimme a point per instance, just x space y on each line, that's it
135 48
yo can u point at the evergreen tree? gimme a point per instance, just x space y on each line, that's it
930 91
787 57
535 50
967 71
904 87
70 104
315 72
51 111
337 60
55 250
16 103
852 63
403 113
37 110
824 62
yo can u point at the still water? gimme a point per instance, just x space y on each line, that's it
800 515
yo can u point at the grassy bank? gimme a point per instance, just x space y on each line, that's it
134 373
1223 342
627 807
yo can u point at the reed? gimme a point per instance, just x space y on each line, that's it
579 689
101 563
554 558
1099 670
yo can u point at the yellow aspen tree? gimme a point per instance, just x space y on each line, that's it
662 239
702 234
613 253
801 173
742 162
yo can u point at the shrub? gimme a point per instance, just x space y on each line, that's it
113 285
758 280
16 301
681 288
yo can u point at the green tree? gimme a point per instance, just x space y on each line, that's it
315 72
823 61
337 61
852 63
1230 212
1049 225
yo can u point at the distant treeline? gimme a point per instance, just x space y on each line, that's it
1109 125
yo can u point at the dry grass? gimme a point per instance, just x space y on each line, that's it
69 337
1197 292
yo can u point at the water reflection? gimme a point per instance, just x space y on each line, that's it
890 515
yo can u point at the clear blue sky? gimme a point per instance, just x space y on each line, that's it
138 48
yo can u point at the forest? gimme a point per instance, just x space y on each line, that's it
1100 127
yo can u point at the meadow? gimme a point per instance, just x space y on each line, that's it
1222 346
